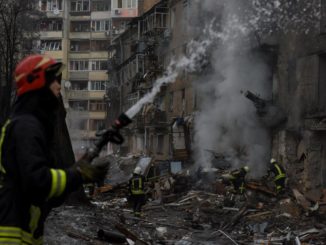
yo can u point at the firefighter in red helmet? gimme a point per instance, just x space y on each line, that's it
30 184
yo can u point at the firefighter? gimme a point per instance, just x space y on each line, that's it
30 184
237 178
136 189
278 172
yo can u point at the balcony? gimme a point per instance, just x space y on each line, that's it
78 75
80 35
77 94
125 13
84 94
51 34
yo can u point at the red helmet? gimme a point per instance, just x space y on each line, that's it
31 72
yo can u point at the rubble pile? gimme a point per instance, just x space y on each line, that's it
175 215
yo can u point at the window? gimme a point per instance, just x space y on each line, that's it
79 46
99 45
78 65
79 6
50 5
78 105
51 45
131 4
97 105
80 26
79 85
119 3
160 144
51 25
96 124
101 25
183 99
99 65
104 5
98 85
172 20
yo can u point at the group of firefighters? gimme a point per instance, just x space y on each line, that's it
31 183
237 177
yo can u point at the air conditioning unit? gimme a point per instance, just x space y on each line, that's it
117 12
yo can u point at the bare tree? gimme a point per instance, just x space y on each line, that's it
18 20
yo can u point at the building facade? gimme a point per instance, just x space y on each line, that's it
77 32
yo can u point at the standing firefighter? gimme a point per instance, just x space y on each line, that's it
237 178
30 185
136 189
279 175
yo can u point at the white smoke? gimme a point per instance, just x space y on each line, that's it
227 121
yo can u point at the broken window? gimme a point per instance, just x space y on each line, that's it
79 85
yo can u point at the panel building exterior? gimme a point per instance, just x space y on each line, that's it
77 32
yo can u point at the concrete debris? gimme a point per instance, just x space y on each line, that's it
178 212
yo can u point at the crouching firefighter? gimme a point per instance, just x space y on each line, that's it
237 178
30 184
136 189
278 172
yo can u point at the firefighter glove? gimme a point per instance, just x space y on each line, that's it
92 172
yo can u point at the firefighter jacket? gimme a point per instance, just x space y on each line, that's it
277 170
136 184
238 179
30 185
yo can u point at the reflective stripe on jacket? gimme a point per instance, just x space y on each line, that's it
278 172
28 181
137 185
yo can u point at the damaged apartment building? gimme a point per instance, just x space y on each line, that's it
137 58
164 129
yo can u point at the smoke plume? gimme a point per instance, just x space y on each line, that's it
226 121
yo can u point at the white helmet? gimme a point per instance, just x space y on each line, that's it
246 168
273 160
137 170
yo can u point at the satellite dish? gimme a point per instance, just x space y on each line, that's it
67 84
56 11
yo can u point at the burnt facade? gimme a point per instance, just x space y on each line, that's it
163 129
